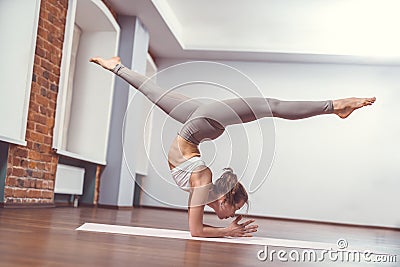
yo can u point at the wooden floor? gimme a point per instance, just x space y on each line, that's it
47 237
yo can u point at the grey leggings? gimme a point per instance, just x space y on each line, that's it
208 121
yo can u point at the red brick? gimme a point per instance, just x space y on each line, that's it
47 194
41 128
47 46
39 118
45 148
43 34
52 105
34 193
26 183
32 164
19 172
51 185
45 158
53 30
24 163
35 88
29 144
43 110
43 101
45 22
47 176
38 174
34 136
53 168
54 160
50 122
56 70
19 192
52 95
33 107
32 183
45 184
19 162
47 140
11 181
42 81
16 162
21 152
30 125
41 165
47 168
50 7
37 69
38 183
31 115
40 52
34 155
8 191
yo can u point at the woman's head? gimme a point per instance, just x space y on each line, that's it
232 194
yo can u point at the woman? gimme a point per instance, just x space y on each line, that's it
207 122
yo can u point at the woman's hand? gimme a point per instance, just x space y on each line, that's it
245 229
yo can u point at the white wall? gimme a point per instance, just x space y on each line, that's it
324 168
18 43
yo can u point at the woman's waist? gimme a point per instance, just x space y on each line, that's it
189 164
181 151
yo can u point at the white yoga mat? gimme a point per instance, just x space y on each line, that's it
177 234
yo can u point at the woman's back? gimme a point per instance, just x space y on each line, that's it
180 151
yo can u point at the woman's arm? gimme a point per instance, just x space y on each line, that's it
198 229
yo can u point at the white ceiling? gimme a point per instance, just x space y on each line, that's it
355 31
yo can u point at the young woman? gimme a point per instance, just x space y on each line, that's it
207 122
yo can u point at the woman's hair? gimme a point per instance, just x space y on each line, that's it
229 186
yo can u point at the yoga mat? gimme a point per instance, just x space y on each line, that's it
178 234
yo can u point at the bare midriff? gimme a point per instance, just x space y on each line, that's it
180 151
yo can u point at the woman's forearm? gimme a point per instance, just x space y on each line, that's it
210 231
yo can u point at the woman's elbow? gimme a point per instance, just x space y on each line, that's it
196 233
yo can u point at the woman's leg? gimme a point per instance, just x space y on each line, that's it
177 106
242 110
208 121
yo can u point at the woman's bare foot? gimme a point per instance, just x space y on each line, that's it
108 64
344 107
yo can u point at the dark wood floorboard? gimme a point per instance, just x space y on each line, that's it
47 237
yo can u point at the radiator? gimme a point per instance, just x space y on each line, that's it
69 180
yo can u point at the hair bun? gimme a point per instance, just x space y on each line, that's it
228 179
227 169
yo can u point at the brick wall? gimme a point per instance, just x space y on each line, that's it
31 169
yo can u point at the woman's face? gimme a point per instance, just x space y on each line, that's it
226 210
